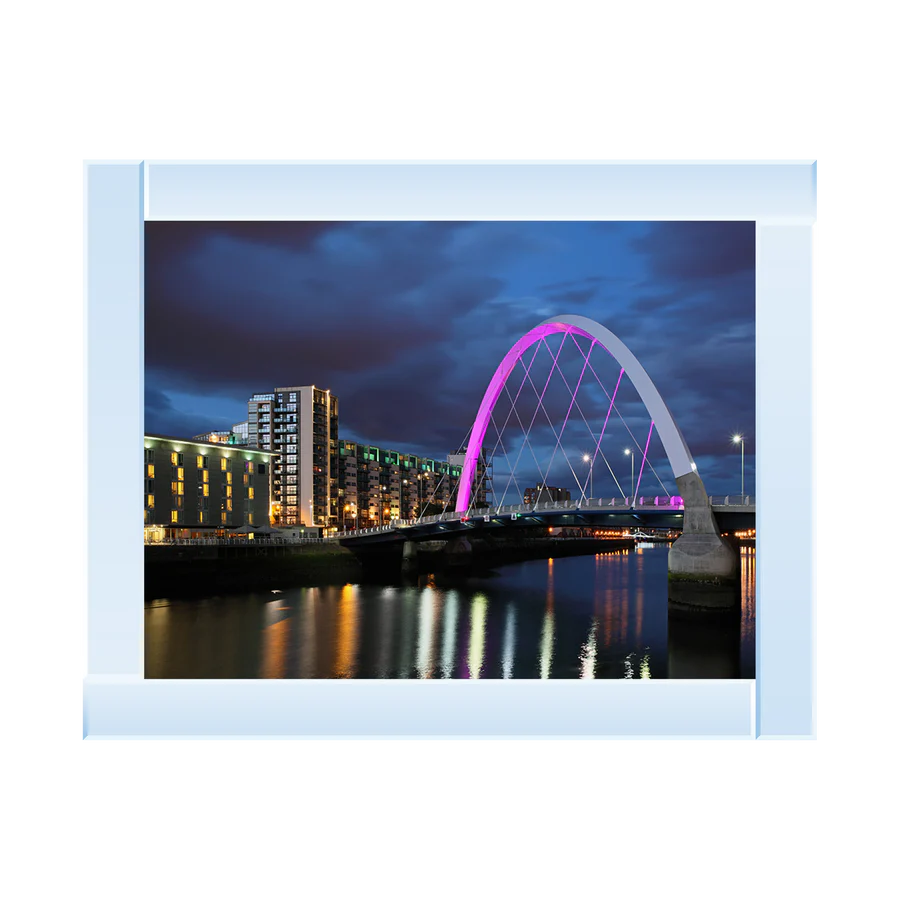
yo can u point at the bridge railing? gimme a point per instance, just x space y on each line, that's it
585 505
234 542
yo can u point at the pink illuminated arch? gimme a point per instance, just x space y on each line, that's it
674 444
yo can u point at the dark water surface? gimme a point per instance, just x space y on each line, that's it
602 616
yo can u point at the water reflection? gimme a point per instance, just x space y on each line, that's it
547 633
478 620
603 616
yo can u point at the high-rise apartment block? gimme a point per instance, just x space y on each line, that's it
300 424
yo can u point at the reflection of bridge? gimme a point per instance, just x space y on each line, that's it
731 513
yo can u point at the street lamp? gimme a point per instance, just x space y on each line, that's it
739 439
586 458
629 453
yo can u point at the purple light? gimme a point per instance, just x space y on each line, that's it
491 396
612 403
646 448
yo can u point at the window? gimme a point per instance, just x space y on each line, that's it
224 518
205 490
180 475
261 469
200 461
149 501
249 518
228 478
204 518
174 458
227 490
205 477
175 516
148 455
228 505
151 471
250 493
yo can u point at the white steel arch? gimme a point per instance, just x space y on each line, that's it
673 442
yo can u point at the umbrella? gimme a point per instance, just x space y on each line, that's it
244 529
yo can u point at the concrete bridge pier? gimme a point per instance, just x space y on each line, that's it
458 553
700 554
410 563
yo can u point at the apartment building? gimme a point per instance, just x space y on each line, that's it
193 488
300 425
376 485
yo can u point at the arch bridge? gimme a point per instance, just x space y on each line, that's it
699 553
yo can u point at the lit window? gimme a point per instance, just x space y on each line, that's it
228 478
151 471
174 458
180 475
203 518
250 493
228 505
224 464
199 461
246 479
174 516
224 518
205 490
205 476
249 518
228 490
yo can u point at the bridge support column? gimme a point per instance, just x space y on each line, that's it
700 554
409 564
458 553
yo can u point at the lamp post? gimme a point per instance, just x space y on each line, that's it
586 458
629 453
739 439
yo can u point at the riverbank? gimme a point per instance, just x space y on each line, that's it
189 570
186 570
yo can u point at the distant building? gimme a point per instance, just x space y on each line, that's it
300 424
376 485
194 488
481 484
545 493
237 436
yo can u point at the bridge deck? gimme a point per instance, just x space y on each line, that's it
653 512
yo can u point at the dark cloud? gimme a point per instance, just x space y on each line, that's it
698 250
406 322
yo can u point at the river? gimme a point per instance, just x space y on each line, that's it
603 616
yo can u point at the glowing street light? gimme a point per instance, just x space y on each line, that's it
629 453
739 439
587 458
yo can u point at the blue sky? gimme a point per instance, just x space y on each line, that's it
405 322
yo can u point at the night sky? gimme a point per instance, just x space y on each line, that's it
405 322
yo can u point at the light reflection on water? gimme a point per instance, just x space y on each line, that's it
602 616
